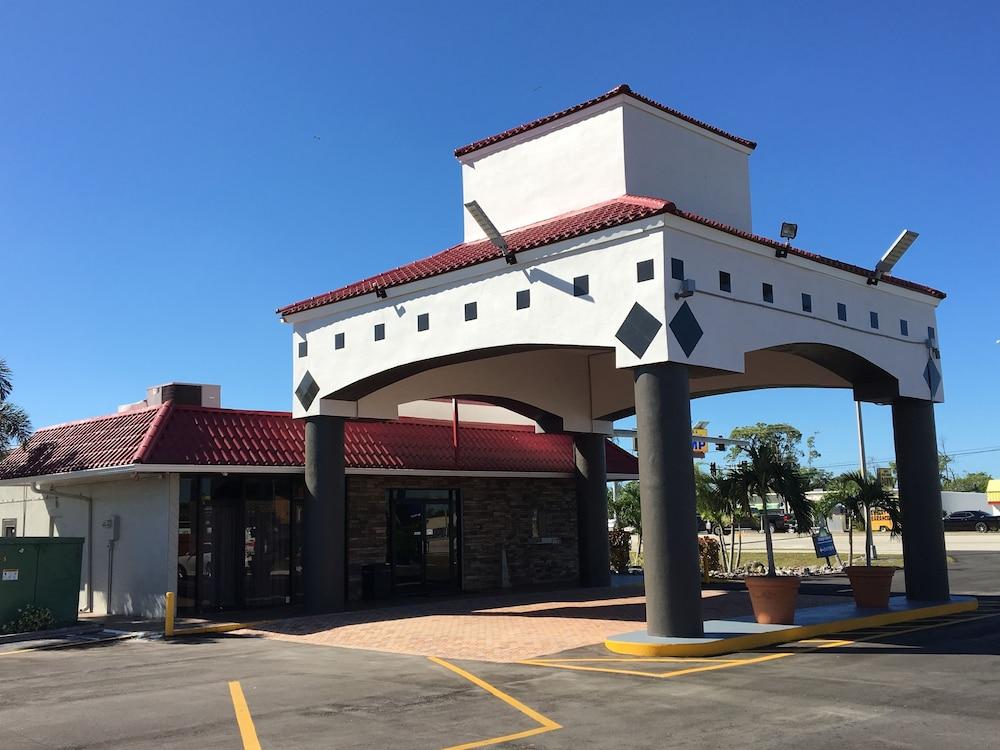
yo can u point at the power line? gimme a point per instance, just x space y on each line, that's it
876 461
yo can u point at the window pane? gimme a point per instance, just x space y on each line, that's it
187 546
677 269
644 270
768 292
725 282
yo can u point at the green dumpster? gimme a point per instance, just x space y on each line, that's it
42 571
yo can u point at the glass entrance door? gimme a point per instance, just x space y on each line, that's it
423 540
239 542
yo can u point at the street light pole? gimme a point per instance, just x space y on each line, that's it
864 472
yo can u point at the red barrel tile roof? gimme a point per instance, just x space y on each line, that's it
606 215
619 90
201 436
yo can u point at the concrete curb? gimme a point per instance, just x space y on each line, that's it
44 635
641 644
220 627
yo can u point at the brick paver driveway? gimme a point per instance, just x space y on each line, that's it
501 628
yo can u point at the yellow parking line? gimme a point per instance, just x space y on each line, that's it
654 659
859 636
546 724
714 665
247 731
581 668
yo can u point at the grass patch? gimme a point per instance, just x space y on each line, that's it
804 559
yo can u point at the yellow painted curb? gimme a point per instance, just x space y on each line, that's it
220 627
752 641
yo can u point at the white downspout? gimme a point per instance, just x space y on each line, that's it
90 535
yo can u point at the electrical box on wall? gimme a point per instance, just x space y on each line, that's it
112 528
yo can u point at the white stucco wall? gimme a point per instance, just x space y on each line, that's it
145 555
605 151
555 318
576 384
571 163
738 322
697 170
953 501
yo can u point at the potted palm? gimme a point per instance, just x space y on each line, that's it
860 493
773 597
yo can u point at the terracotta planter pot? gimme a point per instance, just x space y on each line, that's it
773 598
871 585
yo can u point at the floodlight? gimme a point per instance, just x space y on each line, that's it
788 231
688 288
380 292
490 230
893 254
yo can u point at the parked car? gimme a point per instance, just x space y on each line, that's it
971 520
779 521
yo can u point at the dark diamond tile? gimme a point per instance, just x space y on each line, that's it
932 376
638 330
686 329
307 390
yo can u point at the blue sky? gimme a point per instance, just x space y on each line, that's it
170 173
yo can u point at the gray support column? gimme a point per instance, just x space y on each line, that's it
592 510
666 489
925 562
324 551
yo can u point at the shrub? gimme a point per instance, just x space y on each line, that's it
710 552
29 618
620 542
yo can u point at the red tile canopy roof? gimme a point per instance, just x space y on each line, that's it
169 435
606 215
622 89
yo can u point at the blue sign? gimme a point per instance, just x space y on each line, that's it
823 543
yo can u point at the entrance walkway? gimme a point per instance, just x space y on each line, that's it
500 628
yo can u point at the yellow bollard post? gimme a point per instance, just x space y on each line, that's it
168 619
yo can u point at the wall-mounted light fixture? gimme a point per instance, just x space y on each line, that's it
892 255
687 289
788 232
490 230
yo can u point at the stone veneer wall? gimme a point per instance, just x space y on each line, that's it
496 512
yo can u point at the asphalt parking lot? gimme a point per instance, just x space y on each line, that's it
928 684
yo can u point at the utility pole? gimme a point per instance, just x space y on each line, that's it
864 472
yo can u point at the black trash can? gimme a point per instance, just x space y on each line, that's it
376 581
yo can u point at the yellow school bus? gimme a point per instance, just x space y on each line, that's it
881 520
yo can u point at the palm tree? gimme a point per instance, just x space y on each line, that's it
859 493
14 423
766 472
625 509
713 506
